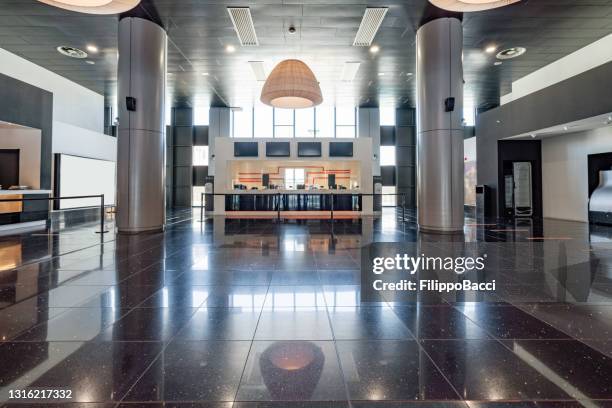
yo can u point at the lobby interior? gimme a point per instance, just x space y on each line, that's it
192 193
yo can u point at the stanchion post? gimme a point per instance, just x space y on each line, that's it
278 210
332 207
102 214
202 207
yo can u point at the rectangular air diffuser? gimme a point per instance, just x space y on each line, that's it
243 24
370 23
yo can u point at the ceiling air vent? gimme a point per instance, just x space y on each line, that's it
71 52
370 23
243 24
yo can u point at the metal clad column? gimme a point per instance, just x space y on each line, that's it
439 133
141 168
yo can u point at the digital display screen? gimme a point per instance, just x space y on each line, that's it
246 149
309 149
278 149
341 149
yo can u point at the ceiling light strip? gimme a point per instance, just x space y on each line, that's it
370 23
243 24
349 71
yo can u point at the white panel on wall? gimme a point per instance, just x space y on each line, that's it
84 176
565 172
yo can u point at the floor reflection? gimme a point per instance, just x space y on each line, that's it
249 311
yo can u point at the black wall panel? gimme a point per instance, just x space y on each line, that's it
405 155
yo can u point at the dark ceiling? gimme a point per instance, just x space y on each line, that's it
199 30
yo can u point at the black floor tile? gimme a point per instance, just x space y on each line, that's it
148 324
193 371
218 323
391 370
486 370
509 322
294 324
93 371
363 323
578 369
292 371
438 322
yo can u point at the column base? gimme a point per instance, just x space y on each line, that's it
430 230
142 231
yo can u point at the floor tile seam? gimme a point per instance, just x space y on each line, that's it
570 337
337 352
165 345
103 328
58 307
503 343
248 354
58 256
422 349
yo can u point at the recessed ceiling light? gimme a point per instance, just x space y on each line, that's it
565 127
381 74
533 135
94 6
92 48
409 74
490 49
510 53
90 62
230 48
497 63
205 73
71 52
374 49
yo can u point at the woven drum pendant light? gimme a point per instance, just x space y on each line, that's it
471 5
291 85
94 6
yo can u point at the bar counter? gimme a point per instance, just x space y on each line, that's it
14 213
293 200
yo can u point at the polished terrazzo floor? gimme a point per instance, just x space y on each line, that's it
206 313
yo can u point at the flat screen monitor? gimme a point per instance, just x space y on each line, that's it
277 149
341 149
309 149
246 149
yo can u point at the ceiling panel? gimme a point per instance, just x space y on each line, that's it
199 30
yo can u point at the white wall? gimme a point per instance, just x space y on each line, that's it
78 113
565 172
28 142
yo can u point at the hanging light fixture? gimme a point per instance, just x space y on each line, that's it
94 6
291 85
471 5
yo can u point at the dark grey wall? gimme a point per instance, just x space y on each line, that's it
405 154
27 105
580 97
181 176
182 146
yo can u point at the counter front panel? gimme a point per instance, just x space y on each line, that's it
293 202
